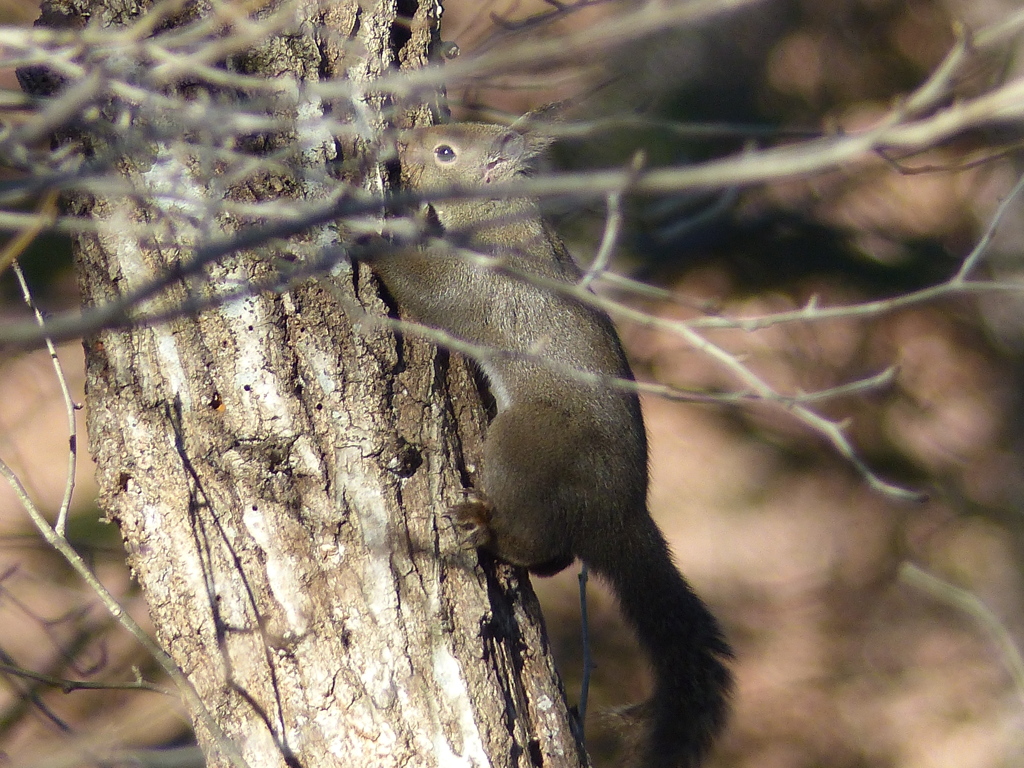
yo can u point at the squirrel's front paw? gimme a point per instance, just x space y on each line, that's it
472 520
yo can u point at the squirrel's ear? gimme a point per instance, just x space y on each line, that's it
521 145
512 153
537 143
533 127
509 146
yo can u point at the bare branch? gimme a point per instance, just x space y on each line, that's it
971 605
957 285
612 230
69 686
61 545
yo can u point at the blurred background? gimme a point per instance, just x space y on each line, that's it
869 631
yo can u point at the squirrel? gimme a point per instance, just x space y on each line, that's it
564 469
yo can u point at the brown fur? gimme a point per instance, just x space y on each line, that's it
564 471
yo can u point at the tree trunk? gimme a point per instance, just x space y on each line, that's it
280 474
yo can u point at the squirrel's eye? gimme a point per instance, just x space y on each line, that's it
444 153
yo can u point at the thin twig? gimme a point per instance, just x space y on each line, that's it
958 284
48 209
982 245
69 408
588 662
833 432
184 685
68 686
755 388
874 383
972 605
612 230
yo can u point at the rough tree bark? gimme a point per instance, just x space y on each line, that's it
279 475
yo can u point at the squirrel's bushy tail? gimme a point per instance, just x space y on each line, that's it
686 649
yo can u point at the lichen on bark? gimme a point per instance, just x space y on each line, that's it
279 468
